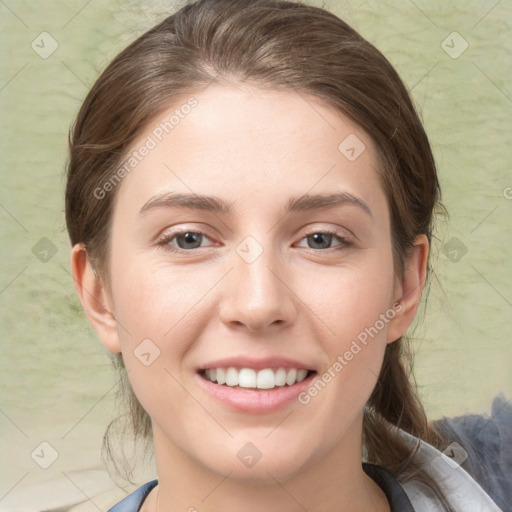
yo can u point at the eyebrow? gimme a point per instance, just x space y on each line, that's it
317 201
191 201
218 205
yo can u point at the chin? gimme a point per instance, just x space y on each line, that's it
266 471
266 460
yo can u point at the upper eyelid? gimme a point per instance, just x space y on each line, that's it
164 237
343 239
343 234
171 236
170 232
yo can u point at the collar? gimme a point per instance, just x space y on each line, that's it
395 494
403 494
459 488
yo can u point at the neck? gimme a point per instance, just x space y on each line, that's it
335 482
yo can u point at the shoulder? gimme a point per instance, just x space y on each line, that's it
133 502
486 442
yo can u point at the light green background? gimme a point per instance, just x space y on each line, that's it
57 385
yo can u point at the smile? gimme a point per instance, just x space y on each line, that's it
244 392
266 378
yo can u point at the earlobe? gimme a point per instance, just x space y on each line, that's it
94 297
409 289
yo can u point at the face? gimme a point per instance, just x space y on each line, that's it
249 238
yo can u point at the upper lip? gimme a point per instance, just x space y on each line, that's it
255 363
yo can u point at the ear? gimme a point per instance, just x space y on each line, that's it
409 289
95 299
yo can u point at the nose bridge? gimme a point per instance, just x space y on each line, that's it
258 297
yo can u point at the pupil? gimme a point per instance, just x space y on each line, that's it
321 240
188 239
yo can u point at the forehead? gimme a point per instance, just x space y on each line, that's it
249 144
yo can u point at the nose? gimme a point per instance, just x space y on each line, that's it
258 294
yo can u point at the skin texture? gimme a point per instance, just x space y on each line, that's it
255 149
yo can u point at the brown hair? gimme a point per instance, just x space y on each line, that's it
278 44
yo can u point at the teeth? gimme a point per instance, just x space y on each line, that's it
231 377
266 379
250 378
301 375
291 376
221 376
280 377
247 378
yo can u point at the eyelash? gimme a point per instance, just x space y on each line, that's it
166 240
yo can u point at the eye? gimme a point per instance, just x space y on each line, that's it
324 239
183 241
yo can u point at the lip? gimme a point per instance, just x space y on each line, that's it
256 363
252 401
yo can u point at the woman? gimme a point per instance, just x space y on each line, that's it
250 201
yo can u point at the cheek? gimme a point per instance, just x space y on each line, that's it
347 301
354 345
162 313
354 307
152 302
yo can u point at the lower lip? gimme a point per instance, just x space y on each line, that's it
252 401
